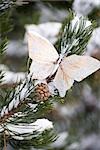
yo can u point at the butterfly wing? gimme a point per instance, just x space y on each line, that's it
73 68
79 67
43 54
41 71
62 82
40 49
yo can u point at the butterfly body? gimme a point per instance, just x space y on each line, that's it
46 62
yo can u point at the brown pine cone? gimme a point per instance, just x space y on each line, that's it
42 92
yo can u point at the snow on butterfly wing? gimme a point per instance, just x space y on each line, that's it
40 49
40 70
62 82
79 67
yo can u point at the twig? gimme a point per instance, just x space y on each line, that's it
12 112
5 141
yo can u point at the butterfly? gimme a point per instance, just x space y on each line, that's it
46 62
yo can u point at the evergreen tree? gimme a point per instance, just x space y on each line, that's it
19 110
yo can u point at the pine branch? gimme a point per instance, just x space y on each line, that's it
3 46
5 4
11 115
75 35
20 111
18 102
40 141
5 24
1 76
18 96
15 110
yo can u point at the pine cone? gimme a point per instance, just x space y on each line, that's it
42 92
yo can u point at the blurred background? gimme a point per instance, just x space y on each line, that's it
77 117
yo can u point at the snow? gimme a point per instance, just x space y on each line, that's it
73 146
61 140
68 110
33 106
39 82
84 7
10 106
12 77
90 142
3 67
21 93
51 13
77 20
52 88
51 32
1 129
16 131
16 48
94 42
3 110
43 124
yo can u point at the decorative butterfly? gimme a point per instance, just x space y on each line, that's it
47 62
